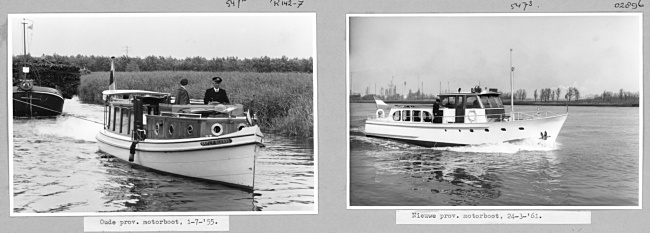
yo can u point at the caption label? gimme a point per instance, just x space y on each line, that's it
274 3
492 217
157 223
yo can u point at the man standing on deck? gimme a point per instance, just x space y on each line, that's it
182 97
436 108
216 94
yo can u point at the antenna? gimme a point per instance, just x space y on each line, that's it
512 86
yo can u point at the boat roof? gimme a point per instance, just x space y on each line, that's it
133 92
470 93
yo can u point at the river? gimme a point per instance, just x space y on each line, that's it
593 163
57 168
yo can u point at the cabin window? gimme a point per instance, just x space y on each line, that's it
485 101
448 101
407 115
128 125
459 101
190 129
397 116
426 116
115 110
416 116
495 102
108 122
121 119
472 102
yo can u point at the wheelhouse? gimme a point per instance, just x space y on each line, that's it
477 106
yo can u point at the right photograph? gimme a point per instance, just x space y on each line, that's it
495 111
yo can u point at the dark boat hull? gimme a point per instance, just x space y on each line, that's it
37 102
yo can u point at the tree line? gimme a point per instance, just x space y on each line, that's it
159 63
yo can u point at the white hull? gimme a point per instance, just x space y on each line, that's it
459 134
228 159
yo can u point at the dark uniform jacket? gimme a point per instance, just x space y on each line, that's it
211 96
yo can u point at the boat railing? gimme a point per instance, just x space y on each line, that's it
519 116
177 114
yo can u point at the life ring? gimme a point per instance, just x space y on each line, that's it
241 126
471 116
217 129
380 113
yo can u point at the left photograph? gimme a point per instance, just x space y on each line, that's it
159 114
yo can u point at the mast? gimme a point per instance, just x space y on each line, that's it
512 85
24 49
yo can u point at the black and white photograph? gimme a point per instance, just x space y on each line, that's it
162 113
495 111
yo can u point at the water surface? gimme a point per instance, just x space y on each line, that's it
594 162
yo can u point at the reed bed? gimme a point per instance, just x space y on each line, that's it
283 102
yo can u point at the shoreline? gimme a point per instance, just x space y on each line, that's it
505 103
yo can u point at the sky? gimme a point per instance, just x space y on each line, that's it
175 35
592 52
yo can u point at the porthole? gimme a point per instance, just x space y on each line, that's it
471 130
521 128
487 130
459 130
445 130
241 126
156 130
503 129
217 129
190 129
171 129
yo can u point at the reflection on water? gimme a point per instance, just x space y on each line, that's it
57 168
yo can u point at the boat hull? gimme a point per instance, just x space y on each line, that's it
228 159
461 134
38 102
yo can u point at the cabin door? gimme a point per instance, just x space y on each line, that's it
460 109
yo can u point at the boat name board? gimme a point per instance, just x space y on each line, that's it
216 142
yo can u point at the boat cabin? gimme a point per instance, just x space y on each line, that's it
142 114
477 106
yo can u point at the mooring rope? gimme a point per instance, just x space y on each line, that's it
57 111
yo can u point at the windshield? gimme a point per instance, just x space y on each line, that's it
491 101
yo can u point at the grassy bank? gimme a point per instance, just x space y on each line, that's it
283 101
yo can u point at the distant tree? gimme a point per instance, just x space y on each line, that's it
576 92
535 94
132 66
553 95
620 94
557 92
570 93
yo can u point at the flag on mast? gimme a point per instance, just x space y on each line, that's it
111 85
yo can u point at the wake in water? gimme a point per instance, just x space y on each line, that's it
66 126
506 147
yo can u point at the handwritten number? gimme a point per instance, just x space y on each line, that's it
632 5
520 4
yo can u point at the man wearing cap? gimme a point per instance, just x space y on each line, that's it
216 94
182 97
436 108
